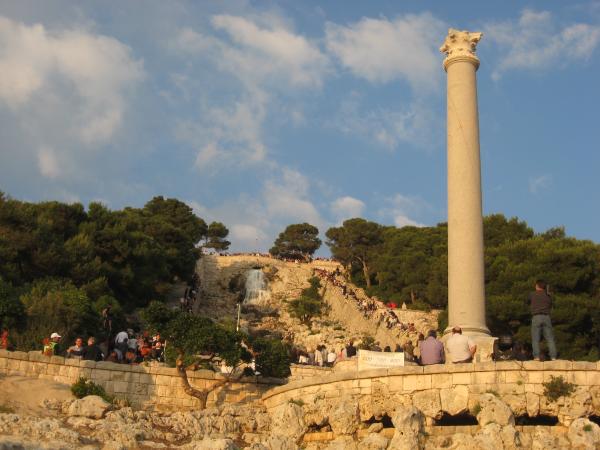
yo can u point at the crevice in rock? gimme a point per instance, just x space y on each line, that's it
547 421
447 420
385 420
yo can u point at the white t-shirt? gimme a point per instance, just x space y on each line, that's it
458 347
331 357
121 337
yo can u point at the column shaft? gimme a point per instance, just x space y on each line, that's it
466 290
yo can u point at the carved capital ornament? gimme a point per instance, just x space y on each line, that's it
460 46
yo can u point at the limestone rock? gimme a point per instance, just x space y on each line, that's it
542 440
375 427
373 442
215 444
494 410
92 406
344 417
580 404
511 438
288 421
533 404
408 422
408 418
455 400
584 434
489 437
428 402
516 403
280 443
342 443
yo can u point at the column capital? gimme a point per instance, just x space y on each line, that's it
460 46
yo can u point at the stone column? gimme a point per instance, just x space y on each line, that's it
466 290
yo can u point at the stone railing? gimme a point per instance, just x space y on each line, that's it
148 387
451 389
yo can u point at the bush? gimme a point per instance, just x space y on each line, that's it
272 358
84 387
309 304
557 387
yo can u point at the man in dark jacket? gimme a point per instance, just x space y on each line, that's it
541 304
92 352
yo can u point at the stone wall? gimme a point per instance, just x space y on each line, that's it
450 389
148 387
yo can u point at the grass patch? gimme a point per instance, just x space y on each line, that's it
476 409
84 387
557 387
298 402
6 409
587 427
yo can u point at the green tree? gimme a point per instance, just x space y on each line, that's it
215 237
356 241
12 311
309 304
54 305
297 241
196 338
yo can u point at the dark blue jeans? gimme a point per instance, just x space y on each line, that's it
541 324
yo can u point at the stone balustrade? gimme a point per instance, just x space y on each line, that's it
451 389
148 387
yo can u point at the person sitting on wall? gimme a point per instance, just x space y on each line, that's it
461 347
158 352
331 357
92 352
76 351
504 348
432 350
51 345
350 350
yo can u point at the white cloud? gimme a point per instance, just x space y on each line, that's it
64 92
347 207
283 199
383 50
413 123
248 236
539 183
287 197
228 136
537 41
268 61
47 163
400 208
271 50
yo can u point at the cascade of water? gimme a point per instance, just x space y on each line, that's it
256 287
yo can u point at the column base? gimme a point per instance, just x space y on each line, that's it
469 330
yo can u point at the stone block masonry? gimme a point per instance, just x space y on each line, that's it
451 388
146 387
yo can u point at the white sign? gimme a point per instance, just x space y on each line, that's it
379 360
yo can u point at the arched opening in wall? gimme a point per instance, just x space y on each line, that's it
385 420
547 421
447 420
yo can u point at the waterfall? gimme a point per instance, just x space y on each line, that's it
256 288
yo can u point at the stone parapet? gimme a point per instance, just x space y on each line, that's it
148 387
451 388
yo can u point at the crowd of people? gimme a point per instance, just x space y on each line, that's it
369 306
127 347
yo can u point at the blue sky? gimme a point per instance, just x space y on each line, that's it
262 114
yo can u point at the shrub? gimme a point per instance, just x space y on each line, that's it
587 427
298 402
476 409
557 387
84 387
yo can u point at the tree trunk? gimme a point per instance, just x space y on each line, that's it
200 394
366 273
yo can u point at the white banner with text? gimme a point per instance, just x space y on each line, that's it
379 360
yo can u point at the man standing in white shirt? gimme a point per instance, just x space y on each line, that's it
460 348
